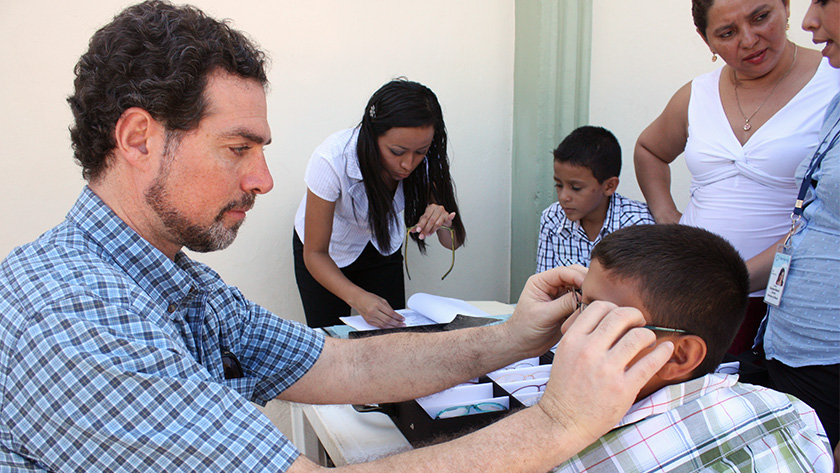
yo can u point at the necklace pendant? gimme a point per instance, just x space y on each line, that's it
747 126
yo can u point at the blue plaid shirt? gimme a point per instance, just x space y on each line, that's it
110 357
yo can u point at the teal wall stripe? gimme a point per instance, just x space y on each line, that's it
551 98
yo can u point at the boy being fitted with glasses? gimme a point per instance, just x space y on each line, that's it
692 287
588 208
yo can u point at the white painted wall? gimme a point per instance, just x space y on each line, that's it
642 52
328 57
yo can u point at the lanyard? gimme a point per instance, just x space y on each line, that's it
816 160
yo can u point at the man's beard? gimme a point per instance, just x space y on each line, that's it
189 234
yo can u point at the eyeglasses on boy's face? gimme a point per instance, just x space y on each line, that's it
405 251
580 306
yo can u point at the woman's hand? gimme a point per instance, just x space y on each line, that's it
377 312
432 219
657 147
668 216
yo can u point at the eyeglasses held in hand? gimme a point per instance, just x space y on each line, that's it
405 251
481 407
581 306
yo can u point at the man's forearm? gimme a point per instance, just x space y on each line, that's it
527 441
404 366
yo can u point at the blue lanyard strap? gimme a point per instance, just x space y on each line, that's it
816 160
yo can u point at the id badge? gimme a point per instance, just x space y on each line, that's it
778 278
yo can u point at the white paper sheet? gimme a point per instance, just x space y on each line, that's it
424 309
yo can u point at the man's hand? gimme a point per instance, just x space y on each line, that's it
543 306
596 375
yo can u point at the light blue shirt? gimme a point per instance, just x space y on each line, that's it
805 329
110 357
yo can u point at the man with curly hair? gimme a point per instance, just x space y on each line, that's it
120 353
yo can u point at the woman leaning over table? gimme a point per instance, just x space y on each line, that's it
347 233
802 333
744 128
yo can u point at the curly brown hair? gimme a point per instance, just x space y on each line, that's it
155 56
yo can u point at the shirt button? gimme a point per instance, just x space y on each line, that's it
171 308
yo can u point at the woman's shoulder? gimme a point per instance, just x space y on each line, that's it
711 77
338 147
339 141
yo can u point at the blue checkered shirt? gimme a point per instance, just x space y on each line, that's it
563 242
110 357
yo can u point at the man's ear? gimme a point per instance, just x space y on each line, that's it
135 134
689 352
610 185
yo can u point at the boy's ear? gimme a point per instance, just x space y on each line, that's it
610 185
689 352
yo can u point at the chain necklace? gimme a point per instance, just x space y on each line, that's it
747 119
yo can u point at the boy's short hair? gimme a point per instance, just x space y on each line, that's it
687 277
592 147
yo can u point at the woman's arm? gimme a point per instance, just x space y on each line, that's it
657 147
760 265
319 217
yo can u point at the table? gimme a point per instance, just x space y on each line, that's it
347 436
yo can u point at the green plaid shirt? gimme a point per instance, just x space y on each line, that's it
711 424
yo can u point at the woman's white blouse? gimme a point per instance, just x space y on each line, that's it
333 174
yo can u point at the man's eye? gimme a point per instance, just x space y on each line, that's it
240 150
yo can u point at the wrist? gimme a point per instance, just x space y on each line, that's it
356 297
561 429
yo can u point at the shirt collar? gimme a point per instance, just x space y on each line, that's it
611 222
675 395
161 278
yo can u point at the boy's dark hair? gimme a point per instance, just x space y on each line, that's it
591 147
687 278
157 57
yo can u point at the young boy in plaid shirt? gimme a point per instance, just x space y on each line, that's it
588 208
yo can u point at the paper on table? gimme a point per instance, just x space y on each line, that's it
424 309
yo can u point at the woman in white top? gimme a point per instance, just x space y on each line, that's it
744 129
347 231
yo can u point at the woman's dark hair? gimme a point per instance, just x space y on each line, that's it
157 57
405 104
700 13
687 277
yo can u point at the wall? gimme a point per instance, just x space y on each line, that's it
642 52
328 57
